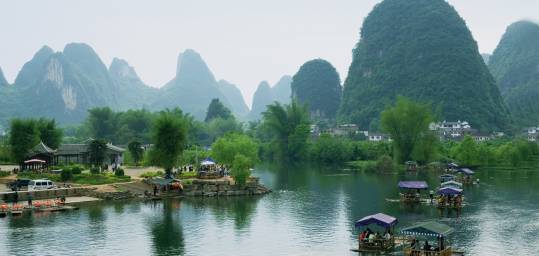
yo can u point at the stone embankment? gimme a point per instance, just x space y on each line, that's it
210 188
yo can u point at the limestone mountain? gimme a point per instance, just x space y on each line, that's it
3 81
132 92
193 87
515 65
318 85
423 50
486 57
266 95
234 97
282 90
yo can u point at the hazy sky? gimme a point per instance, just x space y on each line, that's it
243 41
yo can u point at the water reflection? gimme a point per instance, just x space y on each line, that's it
166 229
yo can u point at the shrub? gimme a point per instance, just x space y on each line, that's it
152 174
119 172
5 173
95 170
66 175
385 164
76 169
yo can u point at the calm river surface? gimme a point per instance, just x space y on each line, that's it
311 212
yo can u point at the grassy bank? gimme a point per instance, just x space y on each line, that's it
82 179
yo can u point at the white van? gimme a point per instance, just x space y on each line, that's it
40 185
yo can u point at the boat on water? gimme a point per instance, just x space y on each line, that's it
382 238
450 197
465 176
451 184
447 177
411 190
428 238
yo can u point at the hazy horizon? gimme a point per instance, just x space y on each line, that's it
242 42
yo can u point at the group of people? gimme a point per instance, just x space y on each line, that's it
450 200
368 236
417 248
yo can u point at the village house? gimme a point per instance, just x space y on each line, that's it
344 130
451 130
373 136
532 134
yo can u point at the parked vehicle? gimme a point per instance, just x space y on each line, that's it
40 185
19 184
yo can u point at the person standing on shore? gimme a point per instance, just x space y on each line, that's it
30 199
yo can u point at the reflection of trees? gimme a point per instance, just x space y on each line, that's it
167 231
96 217
238 208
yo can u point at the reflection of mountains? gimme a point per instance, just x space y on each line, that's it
240 209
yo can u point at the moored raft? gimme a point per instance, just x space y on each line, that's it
370 241
411 191
418 236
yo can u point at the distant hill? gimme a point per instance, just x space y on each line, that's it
64 85
234 97
266 95
3 81
515 65
486 57
423 50
132 92
318 85
192 89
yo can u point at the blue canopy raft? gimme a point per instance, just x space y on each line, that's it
450 196
465 176
419 236
411 191
370 241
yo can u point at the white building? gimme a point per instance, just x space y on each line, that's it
378 137
451 130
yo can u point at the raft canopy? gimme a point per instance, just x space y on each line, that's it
426 229
379 219
466 171
413 184
449 191
452 183
207 161
452 165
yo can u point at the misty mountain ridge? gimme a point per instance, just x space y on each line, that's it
265 95
74 80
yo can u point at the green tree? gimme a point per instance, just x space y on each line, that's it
466 152
136 151
216 109
49 133
97 150
102 124
23 137
408 124
289 128
169 135
327 149
240 169
226 148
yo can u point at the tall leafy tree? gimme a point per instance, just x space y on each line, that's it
23 137
49 133
408 124
226 148
102 123
169 135
136 151
318 85
97 150
216 109
289 127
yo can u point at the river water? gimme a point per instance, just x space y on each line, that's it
311 212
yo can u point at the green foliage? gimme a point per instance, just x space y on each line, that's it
466 152
385 164
423 50
367 150
240 169
226 148
193 156
4 173
119 172
66 175
99 179
408 124
97 150
327 149
514 65
76 169
136 151
216 109
289 129
102 123
39 176
95 170
152 174
169 135
317 84
49 133
23 137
